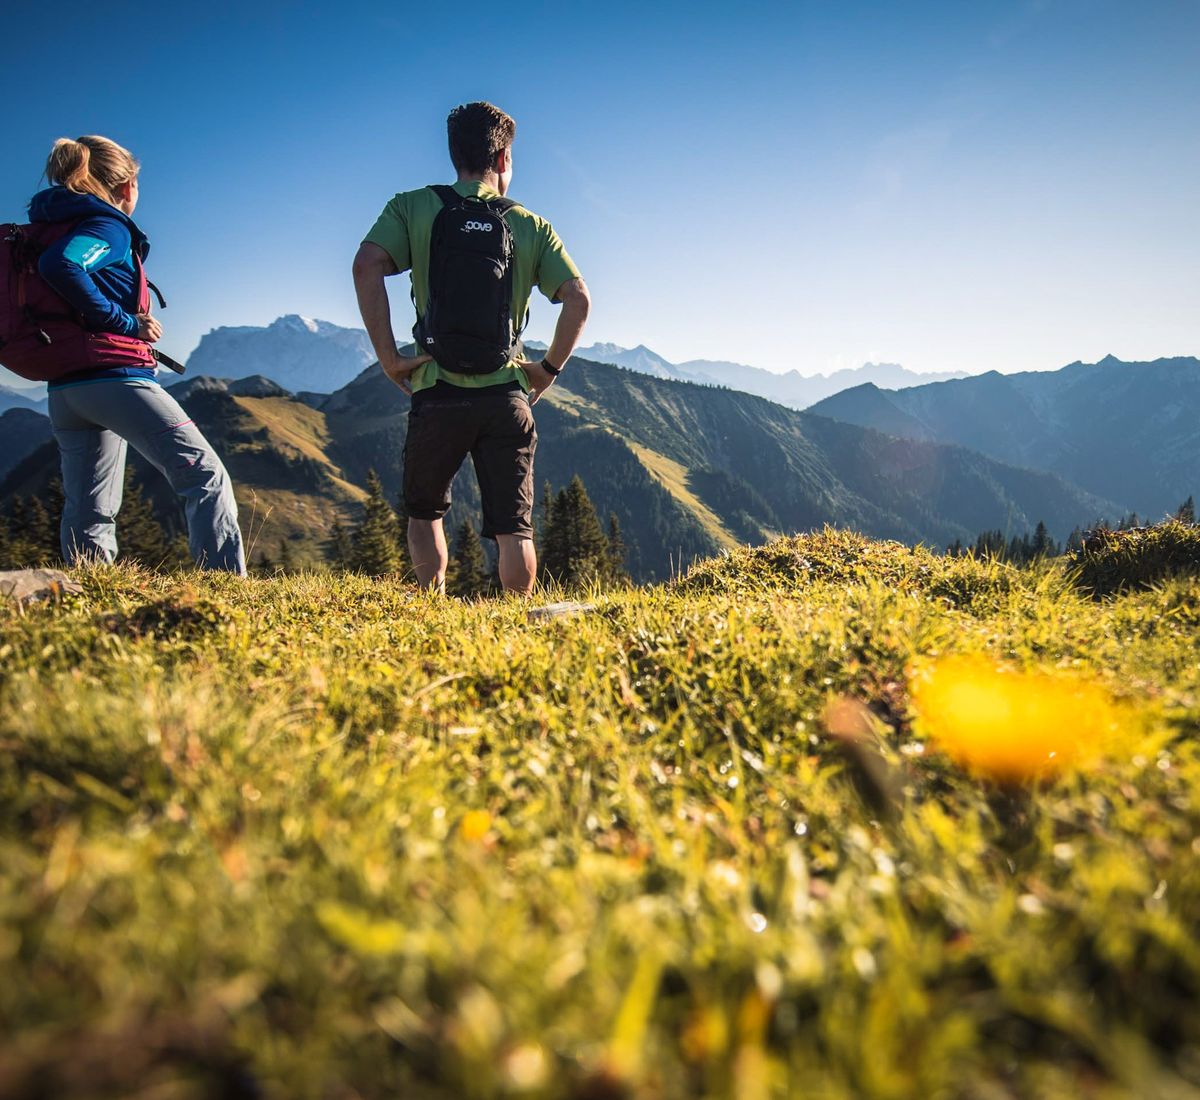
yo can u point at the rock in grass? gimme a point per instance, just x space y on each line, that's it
26 585
559 610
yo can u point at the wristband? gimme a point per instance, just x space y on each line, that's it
550 367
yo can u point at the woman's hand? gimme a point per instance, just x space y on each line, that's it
148 328
399 368
540 379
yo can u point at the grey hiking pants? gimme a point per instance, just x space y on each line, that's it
92 423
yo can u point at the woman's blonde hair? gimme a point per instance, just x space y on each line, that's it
91 165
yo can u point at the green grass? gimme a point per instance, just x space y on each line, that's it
1116 561
232 856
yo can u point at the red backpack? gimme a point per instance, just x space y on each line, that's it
42 337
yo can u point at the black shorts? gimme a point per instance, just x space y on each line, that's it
497 431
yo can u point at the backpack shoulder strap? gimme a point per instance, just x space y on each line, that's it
447 194
450 197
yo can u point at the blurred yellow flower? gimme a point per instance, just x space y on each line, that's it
475 825
1011 726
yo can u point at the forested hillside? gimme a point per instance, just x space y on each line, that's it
686 469
1125 431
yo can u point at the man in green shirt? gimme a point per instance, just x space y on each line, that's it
487 416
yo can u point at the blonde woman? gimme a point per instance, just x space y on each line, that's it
104 395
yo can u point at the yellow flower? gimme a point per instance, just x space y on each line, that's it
475 825
1007 725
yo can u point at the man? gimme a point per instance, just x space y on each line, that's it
460 405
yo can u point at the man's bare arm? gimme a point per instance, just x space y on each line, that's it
576 304
372 265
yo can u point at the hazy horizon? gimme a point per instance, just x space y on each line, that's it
13 381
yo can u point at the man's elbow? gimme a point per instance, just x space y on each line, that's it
575 296
370 263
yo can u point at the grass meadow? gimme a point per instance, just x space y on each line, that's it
322 836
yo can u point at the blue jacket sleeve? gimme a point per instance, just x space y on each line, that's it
68 264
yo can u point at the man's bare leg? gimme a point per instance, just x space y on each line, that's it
427 546
518 564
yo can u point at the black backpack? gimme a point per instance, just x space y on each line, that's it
468 326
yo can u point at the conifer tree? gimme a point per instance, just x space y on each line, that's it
1042 545
341 550
376 542
1187 511
180 552
469 575
287 563
576 551
140 537
990 544
37 531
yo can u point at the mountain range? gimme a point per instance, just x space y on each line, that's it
790 388
305 355
1128 431
688 469
12 397
298 352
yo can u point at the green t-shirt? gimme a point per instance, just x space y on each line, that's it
403 231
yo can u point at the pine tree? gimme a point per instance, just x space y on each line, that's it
617 573
37 530
990 544
140 536
1187 511
180 551
1042 545
468 576
341 550
576 550
376 542
287 564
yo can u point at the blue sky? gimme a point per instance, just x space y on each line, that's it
946 185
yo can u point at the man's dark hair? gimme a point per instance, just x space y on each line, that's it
477 132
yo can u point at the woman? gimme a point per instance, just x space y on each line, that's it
96 410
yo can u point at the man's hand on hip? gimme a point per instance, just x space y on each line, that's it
399 368
540 379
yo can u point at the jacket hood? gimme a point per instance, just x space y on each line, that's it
58 204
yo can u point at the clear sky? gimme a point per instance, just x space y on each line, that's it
959 185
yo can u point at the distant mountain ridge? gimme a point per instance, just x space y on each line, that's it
796 390
1128 431
303 354
31 398
22 431
299 353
